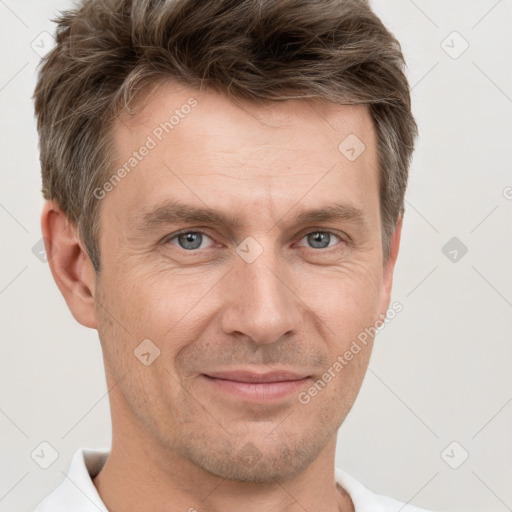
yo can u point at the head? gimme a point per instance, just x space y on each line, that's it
225 185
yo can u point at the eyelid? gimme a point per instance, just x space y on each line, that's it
343 237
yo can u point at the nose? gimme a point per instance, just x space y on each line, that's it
259 301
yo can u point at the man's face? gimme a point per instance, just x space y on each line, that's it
264 290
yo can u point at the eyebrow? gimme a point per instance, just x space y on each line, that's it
174 212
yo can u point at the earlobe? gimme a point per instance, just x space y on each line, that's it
70 265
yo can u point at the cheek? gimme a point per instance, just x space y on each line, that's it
171 309
167 301
346 299
152 298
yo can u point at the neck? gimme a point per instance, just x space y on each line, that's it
141 474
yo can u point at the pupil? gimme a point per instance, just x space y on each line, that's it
320 237
191 240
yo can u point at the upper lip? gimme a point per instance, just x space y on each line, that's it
247 376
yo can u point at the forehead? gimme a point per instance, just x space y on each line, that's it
205 149
214 115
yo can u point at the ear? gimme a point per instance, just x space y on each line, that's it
389 266
70 265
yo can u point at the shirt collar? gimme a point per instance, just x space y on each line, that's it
78 493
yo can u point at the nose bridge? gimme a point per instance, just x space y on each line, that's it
261 303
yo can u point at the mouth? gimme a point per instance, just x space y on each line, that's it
257 387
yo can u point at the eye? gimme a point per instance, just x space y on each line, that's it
320 239
196 240
189 240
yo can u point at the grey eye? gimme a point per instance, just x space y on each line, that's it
191 240
319 239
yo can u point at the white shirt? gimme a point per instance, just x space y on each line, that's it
77 492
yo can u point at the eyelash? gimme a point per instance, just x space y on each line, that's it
172 237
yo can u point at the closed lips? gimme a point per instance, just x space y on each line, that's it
244 376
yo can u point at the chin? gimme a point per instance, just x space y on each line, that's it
263 460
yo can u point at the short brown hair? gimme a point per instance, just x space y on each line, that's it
108 51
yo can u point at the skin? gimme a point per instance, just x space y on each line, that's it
178 442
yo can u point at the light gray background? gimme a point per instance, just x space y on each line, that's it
441 370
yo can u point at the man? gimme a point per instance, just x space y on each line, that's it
224 186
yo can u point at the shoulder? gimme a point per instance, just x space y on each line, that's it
366 500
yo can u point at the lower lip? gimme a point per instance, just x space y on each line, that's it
258 391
